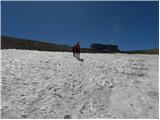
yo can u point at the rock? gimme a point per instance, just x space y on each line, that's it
67 117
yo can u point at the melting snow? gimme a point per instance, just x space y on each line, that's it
38 84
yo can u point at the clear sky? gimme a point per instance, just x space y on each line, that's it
131 25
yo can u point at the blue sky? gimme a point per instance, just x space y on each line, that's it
131 25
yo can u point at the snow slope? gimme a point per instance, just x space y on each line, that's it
38 84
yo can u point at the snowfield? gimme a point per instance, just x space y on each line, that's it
38 84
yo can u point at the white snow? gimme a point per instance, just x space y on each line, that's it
38 84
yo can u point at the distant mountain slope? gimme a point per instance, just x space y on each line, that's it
149 51
18 43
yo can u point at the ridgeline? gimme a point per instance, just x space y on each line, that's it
18 43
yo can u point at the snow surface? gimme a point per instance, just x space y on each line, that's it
38 84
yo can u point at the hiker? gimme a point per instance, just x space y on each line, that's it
77 47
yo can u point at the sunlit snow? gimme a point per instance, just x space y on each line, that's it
38 84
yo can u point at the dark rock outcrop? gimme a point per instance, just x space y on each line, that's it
105 48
